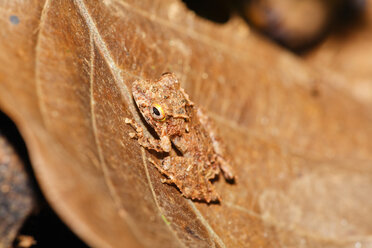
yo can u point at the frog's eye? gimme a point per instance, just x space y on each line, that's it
157 112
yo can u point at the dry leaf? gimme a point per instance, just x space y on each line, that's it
301 146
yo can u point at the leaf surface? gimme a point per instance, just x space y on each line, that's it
301 147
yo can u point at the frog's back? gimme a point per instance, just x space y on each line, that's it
195 142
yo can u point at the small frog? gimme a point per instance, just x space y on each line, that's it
199 156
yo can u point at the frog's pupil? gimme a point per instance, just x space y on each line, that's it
156 111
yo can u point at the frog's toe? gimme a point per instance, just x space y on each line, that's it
212 197
167 181
132 135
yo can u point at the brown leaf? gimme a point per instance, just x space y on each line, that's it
301 147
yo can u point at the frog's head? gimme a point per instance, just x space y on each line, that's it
163 104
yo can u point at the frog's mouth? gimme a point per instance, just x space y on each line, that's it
180 116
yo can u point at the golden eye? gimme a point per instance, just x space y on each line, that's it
157 112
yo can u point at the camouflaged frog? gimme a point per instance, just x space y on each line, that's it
176 120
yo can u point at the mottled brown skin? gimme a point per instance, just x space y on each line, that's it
191 132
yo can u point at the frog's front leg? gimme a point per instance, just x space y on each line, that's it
148 143
189 177
165 142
